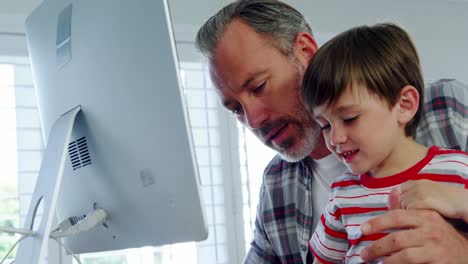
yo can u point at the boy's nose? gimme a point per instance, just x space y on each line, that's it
338 136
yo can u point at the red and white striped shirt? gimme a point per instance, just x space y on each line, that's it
355 199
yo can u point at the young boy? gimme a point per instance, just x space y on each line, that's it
364 88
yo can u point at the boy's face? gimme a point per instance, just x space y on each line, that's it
360 129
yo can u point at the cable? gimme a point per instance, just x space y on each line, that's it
70 227
11 249
27 233
11 230
67 249
75 225
22 231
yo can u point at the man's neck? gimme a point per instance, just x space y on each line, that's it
320 151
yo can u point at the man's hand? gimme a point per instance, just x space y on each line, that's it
425 238
447 200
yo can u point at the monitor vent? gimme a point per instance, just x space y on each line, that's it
79 154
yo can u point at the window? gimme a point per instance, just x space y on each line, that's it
9 203
21 141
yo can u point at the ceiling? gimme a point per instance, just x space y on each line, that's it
182 11
329 16
18 7
439 27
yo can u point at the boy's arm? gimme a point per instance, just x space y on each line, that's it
326 250
329 242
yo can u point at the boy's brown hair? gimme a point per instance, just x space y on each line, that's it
381 57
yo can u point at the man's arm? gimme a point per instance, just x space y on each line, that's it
426 238
446 199
261 251
257 254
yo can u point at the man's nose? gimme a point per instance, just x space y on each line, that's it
338 136
255 116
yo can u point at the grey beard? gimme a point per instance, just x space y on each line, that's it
304 148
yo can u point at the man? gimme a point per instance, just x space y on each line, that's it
258 51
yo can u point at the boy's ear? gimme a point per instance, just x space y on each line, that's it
408 104
304 48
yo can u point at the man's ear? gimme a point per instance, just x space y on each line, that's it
407 104
304 47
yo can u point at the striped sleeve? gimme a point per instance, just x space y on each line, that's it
329 242
449 166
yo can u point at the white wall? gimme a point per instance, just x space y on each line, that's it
12 38
439 27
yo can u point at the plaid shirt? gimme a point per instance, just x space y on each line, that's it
284 214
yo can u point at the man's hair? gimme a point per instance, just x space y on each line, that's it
273 19
381 57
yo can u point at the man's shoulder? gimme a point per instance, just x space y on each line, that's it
444 121
446 88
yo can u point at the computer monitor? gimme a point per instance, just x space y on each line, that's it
130 150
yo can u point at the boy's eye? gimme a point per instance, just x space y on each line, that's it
325 127
350 119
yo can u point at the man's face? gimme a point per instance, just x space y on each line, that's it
261 86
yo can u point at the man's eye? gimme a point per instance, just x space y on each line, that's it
237 111
259 88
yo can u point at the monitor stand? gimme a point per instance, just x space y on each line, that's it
33 250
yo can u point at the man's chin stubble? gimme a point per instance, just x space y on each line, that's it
302 151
